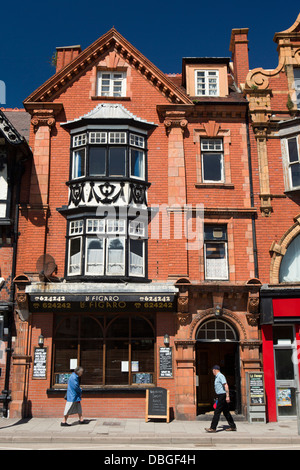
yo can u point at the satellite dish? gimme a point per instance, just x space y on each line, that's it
46 266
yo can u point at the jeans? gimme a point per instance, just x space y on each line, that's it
222 405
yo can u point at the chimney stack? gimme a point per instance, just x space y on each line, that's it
65 55
239 49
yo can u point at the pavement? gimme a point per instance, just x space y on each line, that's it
155 432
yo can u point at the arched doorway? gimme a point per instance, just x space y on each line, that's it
217 342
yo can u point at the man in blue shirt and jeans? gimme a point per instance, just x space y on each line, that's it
223 399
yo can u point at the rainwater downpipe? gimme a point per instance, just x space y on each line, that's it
252 198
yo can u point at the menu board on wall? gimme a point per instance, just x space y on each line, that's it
165 362
40 363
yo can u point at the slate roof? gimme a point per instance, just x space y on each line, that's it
110 111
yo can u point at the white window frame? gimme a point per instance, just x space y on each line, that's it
97 137
97 226
107 230
114 82
100 272
76 227
142 274
297 85
215 241
107 264
79 140
142 153
296 162
117 138
137 229
207 75
210 147
137 141
74 159
78 272
216 277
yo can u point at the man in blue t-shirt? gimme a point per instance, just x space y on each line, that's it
223 399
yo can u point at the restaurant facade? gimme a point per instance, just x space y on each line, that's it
138 251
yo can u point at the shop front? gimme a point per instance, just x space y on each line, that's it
280 323
117 333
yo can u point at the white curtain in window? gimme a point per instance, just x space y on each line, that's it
115 255
290 265
94 256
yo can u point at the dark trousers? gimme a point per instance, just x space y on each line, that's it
222 405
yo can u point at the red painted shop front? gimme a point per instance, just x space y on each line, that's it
280 322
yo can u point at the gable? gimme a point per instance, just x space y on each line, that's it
111 50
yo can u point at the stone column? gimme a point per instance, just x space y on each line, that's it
185 398
176 125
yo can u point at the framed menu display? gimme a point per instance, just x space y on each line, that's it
39 363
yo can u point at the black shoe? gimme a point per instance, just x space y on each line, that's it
84 421
65 424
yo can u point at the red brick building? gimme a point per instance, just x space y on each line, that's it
274 103
137 249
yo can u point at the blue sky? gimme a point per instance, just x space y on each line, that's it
163 32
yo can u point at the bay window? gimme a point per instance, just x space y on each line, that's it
108 155
106 247
108 169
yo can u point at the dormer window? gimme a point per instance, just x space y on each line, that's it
111 84
204 77
207 82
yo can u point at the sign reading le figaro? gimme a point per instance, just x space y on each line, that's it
100 303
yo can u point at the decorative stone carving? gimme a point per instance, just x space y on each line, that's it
253 302
175 119
183 302
21 297
184 318
250 343
42 117
252 318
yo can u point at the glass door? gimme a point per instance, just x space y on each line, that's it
285 370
